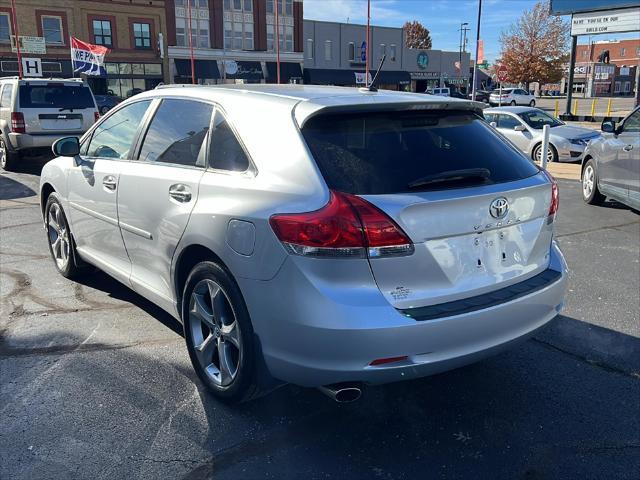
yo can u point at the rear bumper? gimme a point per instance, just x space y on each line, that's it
22 141
312 335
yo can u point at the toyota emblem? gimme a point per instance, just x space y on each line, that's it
499 207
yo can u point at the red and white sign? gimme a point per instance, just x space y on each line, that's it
503 73
87 58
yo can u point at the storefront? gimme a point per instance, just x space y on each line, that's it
126 79
388 79
206 71
290 72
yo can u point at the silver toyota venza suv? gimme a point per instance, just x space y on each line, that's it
322 236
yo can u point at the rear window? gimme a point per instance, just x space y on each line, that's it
55 96
380 153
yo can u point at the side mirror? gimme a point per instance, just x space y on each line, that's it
608 126
494 124
519 128
66 147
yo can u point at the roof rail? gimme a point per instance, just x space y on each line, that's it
14 77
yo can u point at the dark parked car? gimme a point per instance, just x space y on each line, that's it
106 102
611 165
482 96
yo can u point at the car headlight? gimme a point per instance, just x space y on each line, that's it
579 141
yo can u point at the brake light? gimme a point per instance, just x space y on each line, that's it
555 195
347 226
17 122
96 116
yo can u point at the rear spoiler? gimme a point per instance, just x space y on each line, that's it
305 110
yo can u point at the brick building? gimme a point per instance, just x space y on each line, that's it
233 40
129 28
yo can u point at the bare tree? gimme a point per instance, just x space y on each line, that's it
416 35
535 48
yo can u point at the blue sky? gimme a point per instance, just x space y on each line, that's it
441 17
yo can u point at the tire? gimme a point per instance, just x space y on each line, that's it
219 339
552 156
8 159
513 103
532 103
589 180
104 109
63 252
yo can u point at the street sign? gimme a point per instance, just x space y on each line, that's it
33 45
610 21
31 67
502 73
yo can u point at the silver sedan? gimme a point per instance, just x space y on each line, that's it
323 236
523 126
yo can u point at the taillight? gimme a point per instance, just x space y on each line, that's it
347 226
555 195
17 122
96 116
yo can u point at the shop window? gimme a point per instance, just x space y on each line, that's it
142 35
617 88
5 28
627 87
102 33
52 29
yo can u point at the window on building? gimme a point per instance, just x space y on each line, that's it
142 35
310 48
383 49
352 51
5 28
238 24
623 51
637 51
617 88
102 33
584 53
392 53
225 152
627 87
327 50
52 29
286 37
285 7
199 32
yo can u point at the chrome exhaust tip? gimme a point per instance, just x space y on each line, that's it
342 392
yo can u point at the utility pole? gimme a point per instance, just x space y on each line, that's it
463 41
475 64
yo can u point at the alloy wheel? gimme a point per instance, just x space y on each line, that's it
215 332
549 154
58 236
588 178
3 154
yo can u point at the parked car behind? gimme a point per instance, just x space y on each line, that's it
106 102
35 112
441 91
611 164
512 96
332 238
523 126
481 96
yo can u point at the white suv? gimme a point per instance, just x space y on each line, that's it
512 96
36 112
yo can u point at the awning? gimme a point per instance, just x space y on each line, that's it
243 70
203 68
288 70
326 76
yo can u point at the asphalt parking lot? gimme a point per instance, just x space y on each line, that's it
95 382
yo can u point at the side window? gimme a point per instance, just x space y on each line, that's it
507 122
632 124
226 153
177 133
5 100
114 136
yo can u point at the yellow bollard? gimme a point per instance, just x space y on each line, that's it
575 108
557 109
609 108
593 108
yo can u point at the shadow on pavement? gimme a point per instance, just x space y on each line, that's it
11 189
531 413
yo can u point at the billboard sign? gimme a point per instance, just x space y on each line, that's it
611 21
33 45
567 7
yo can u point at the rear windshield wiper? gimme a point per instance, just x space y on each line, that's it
66 108
452 176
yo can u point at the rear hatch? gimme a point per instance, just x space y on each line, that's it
474 208
57 107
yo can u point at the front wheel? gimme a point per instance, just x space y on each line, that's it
590 192
219 333
513 103
61 243
532 103
552 154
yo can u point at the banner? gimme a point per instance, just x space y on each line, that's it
87 58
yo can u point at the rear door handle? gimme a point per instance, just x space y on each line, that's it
627 148
109 182
180 193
